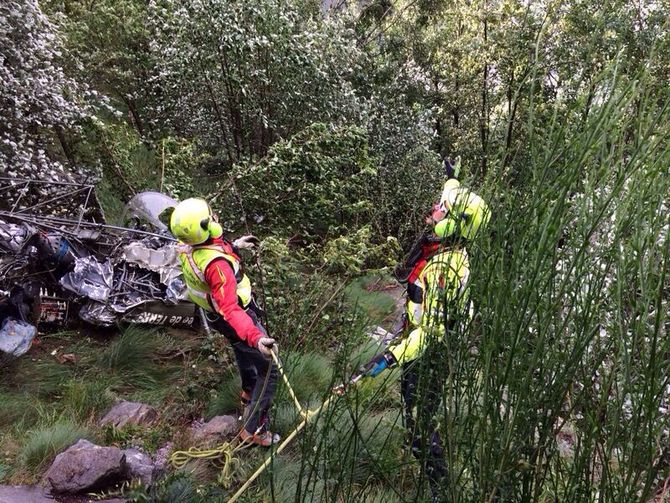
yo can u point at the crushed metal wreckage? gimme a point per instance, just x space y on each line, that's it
61 263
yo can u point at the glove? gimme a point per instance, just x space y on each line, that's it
246 242
341 389
378 364
265 345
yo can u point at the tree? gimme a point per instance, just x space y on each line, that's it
109 44
241 75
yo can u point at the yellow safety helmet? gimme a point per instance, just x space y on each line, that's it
192 222
466 212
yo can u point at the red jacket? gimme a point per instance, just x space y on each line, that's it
220 277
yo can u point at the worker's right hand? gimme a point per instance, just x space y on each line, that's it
265 345
246 242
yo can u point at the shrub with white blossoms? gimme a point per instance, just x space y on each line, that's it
37 99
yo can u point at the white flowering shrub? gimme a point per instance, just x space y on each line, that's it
38 102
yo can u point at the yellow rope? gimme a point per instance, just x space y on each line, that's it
304 413
226 451
309 415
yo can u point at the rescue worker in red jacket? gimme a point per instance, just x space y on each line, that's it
216 282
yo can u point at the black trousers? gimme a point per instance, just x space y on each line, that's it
258 373
420 386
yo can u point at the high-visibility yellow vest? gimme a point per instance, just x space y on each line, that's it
444 281
194 261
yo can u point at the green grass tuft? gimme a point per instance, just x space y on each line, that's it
310 374
87 397
42 444
131 358
42 378
17 408
130 352
227 397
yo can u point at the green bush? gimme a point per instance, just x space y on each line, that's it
305 308
179 160
354 253
316 184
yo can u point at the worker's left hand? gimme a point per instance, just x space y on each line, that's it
246 242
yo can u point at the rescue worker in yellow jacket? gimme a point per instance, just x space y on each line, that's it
216 282
437 306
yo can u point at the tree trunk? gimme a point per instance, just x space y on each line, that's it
438 119
134 115
60 132
233 107
221 121
457 82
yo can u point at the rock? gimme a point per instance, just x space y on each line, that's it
163 457
217 430
124 413
139 465
24 494
86 466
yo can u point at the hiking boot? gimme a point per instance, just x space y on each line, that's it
264 439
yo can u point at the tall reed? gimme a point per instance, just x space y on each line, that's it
558 390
